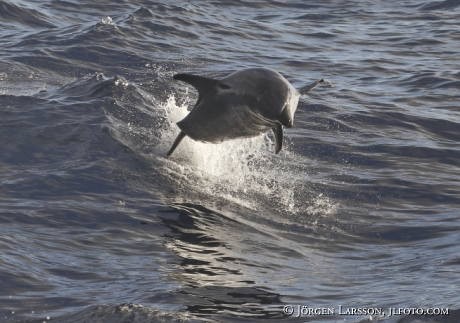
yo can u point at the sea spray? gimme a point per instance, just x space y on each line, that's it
242 171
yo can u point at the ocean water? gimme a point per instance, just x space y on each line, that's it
359 210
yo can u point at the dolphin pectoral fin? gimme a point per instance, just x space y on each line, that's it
307 88
176 143
202 84
278 134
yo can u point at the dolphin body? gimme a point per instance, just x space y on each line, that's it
242 105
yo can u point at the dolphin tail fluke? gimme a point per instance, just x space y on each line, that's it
176 143
307 88
278 134
202 84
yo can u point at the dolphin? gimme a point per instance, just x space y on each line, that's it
244 104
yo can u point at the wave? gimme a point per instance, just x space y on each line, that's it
24 15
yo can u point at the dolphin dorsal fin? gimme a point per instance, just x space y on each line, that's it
202 84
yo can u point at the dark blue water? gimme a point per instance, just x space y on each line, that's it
360 209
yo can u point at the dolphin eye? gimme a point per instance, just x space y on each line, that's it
223 86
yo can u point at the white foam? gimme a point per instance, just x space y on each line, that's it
107 21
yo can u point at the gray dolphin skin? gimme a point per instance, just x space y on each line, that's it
244 104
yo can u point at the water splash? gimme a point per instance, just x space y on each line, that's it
107 21
242 171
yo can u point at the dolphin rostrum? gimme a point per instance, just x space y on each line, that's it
242 105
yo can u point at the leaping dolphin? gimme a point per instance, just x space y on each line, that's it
242 105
